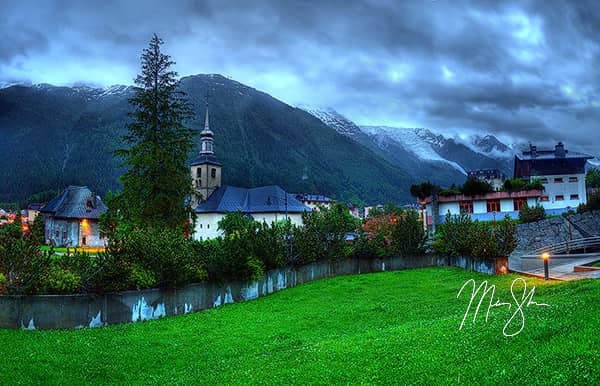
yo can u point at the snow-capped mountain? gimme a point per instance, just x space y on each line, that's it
334 120
419 142
422 153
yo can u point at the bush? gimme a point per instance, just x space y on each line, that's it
532 214
149 257
460 236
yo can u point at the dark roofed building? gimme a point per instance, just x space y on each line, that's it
71 218
265 203
561 171
535 163
314 201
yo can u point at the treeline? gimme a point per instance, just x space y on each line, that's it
152 257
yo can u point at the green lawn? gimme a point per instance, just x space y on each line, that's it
394 327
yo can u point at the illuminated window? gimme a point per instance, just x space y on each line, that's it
493 206
545 198
574 196
560 197
558 180
466 207
572 179
519 203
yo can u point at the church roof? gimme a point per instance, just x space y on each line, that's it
210 159
75 202
264 199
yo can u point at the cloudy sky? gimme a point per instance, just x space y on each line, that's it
523 69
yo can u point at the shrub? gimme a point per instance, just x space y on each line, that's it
475 186
532 214
407 234
460 236
149 257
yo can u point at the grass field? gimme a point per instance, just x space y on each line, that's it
394 327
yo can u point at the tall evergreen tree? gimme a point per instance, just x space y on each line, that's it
157 181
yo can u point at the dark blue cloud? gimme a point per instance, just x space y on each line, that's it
523 69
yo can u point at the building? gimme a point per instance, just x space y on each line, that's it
71 218
484 207
266 203
32 211
562 172
492 176
213 201
315 201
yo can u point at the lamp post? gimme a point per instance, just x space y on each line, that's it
545 257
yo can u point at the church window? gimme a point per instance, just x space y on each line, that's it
198 173
200 226
213 172
207 226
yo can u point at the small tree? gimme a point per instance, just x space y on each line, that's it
592 178
506 236
532 214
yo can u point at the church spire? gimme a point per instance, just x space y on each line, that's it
206 136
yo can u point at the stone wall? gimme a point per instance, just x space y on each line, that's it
557 230
87 310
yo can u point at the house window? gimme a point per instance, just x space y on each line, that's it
558 180
574 196
519 203
466 207
213 172
572 179
545 198
544 180
559 197
493 206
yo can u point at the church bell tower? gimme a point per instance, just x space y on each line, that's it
206 169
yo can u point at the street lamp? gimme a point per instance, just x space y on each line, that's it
545 257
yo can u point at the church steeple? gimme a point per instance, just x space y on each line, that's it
206 169
207 137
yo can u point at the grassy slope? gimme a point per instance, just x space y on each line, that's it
389 327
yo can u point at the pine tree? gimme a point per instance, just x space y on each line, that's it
157 181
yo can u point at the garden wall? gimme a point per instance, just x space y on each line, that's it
86 310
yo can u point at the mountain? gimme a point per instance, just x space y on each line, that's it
52 137
421 153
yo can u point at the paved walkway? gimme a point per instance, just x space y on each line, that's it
560 268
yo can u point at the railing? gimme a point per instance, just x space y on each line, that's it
586 244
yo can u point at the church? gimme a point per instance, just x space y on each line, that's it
213 200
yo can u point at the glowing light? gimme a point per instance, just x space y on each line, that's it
545 256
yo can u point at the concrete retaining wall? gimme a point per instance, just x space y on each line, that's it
86 310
